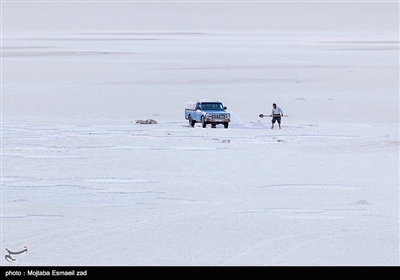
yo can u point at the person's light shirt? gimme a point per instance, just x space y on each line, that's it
277 111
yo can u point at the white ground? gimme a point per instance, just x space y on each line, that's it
83 184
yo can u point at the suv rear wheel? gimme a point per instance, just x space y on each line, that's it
191 122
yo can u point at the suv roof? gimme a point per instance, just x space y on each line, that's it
208 100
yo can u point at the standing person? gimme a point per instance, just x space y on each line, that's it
276 115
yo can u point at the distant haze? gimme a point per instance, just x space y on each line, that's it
33 17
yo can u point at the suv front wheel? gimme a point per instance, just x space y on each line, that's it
203 122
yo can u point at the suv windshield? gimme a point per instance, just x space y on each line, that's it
212 106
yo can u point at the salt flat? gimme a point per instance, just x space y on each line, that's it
83 184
